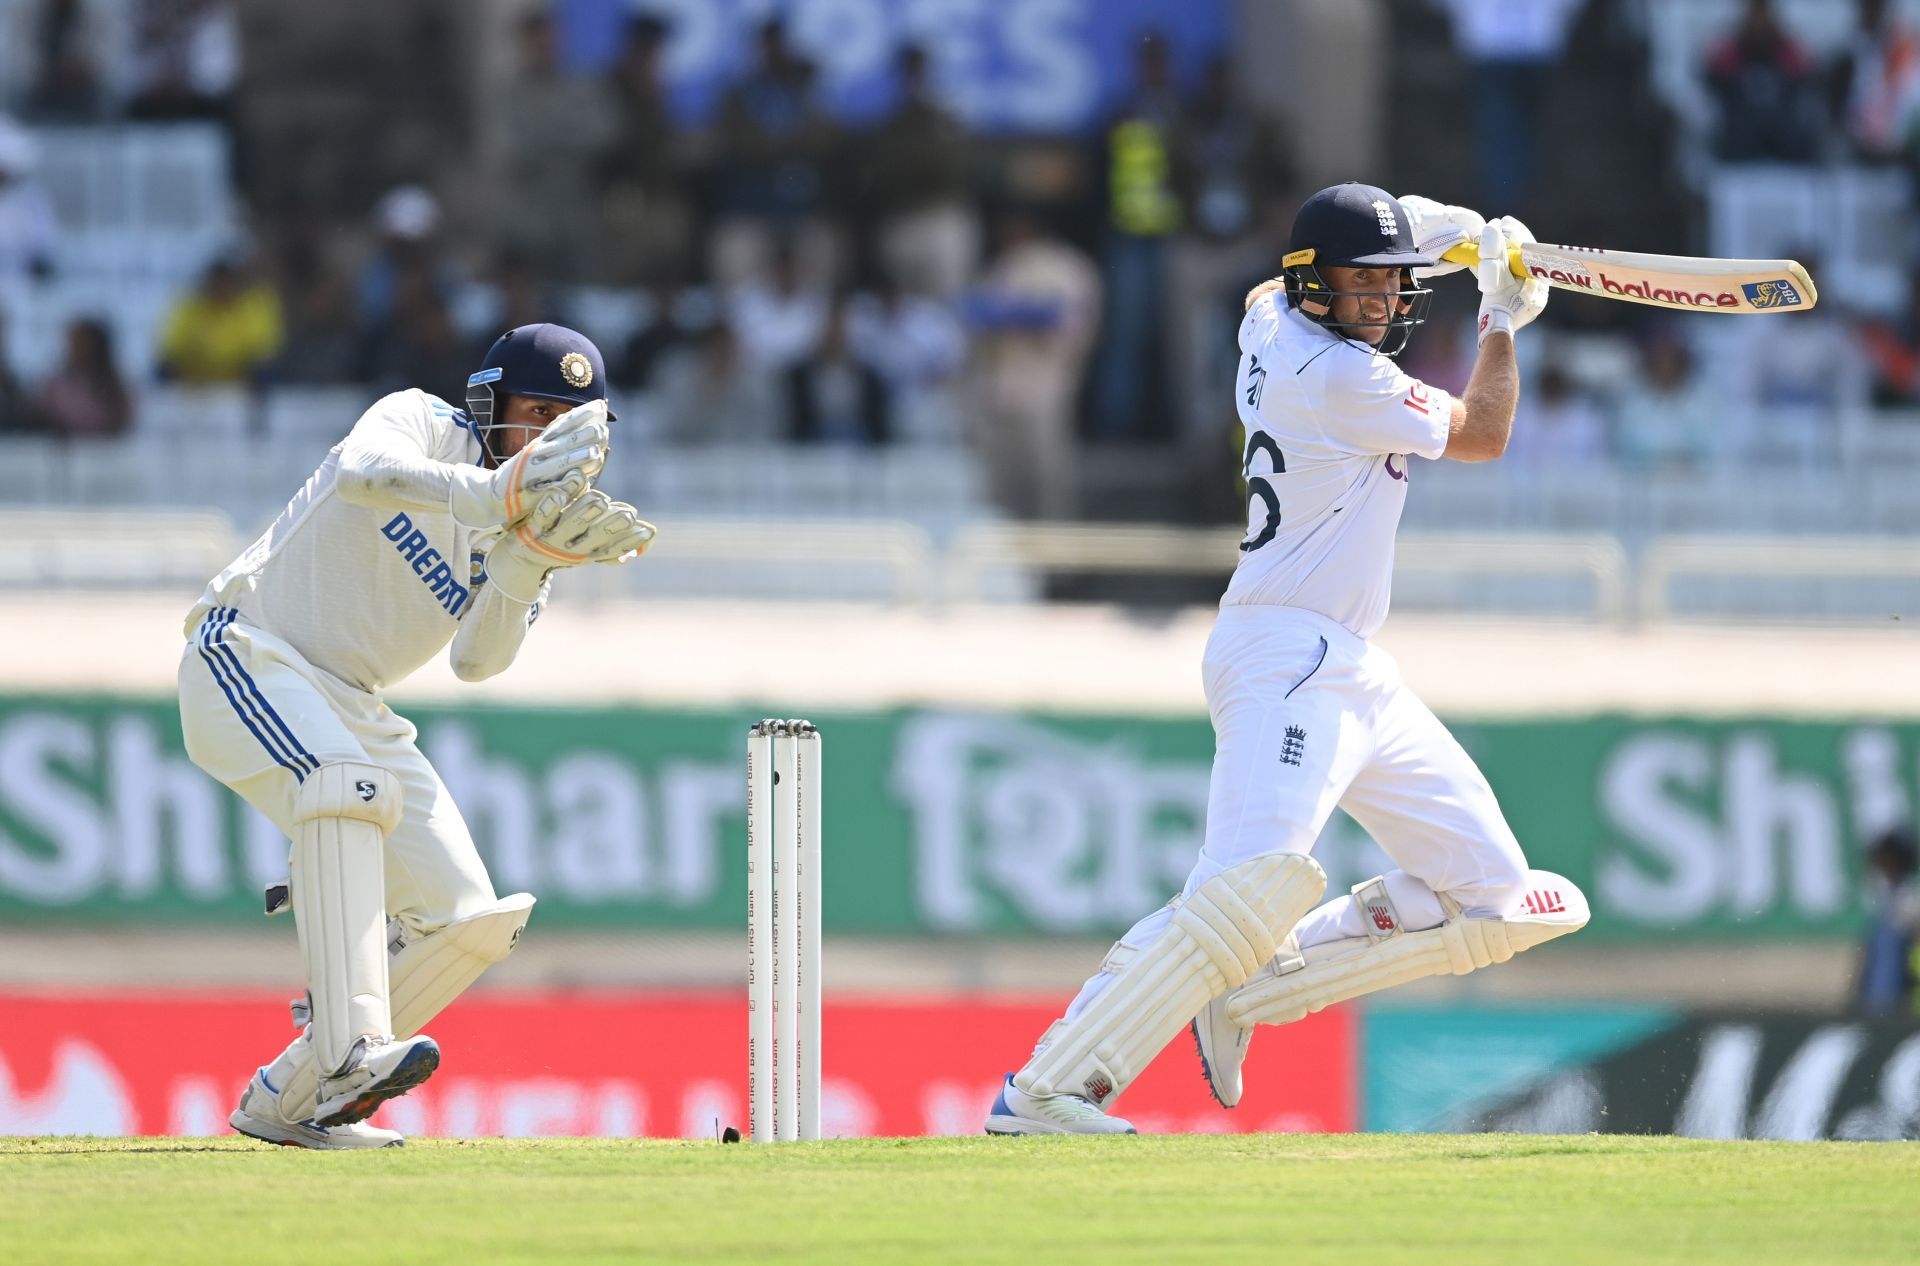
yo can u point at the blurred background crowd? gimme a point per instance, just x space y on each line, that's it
790 226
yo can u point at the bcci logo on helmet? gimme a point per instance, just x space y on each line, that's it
576 369
1773 294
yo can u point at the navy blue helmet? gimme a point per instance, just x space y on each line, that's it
1355 226
549 362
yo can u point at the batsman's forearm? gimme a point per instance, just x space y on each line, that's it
1492 396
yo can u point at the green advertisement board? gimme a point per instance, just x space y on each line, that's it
944 822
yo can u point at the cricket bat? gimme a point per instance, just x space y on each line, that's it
1687 282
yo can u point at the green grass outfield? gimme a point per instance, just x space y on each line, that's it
1243 1200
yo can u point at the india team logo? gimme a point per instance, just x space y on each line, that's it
1779 293
576 369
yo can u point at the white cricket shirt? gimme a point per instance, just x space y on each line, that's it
1330 425
365 591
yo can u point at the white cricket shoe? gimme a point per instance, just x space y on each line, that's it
259 1116
1223 1049
377 1070
1017 1112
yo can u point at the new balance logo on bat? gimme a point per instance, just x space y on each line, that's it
1637 289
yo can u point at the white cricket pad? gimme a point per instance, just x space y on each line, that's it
341 819
428 974
1216 940
1298 982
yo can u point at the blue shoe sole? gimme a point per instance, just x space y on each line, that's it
416 1067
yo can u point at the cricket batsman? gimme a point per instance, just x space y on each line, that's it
426 525
1307 713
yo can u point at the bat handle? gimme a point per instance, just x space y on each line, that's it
1467 253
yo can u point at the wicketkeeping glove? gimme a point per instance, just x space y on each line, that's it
1507 303
566 455
593 528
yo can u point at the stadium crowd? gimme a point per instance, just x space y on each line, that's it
774 272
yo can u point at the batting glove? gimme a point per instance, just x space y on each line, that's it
1507 303
1439 227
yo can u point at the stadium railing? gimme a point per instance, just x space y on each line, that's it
1583 576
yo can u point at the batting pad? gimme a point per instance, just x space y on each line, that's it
1299 982
341 819
1216 940
428 974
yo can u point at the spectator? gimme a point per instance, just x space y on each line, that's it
1510 50
13 397
913 340
225 330
833 396
1035 315
407 219
555 129
1762 81
322 338
1888 963
710 394
1812 361
917 174
28 232
779 322
186 60
85 397
1143 213
66 80
1559 425
770 179
1893 353
1876 84
518 295
675 318
1669 420
418 345
918 347
1238 169
646 217
1800 377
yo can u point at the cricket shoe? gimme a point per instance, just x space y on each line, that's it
1017 1112
1223 1050
376 1070
259 1117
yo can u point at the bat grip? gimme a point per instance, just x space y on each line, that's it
1469 254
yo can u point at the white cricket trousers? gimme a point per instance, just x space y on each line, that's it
1307 717
259 718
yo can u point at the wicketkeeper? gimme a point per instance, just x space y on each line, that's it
426 525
